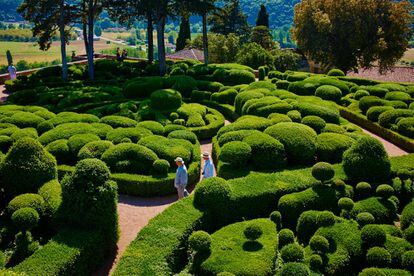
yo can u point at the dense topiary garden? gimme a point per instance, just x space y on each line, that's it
300 189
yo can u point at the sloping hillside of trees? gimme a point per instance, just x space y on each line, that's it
8 10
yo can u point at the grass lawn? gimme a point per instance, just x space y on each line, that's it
30 51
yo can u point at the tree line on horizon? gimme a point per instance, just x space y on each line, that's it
334 37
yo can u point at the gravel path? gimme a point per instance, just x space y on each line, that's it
391 149
3 95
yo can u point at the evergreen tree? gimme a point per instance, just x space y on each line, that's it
261 35
184 34
262 17
230 19
48 18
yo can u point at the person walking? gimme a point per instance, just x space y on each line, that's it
12 71
118 54
124 54
181 178
208 170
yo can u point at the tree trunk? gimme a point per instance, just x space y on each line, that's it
90 40
150 37
161 45
85 37
63 41
205 39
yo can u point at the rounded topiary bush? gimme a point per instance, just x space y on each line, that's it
325 218
330 147
367 160
183 134
295 269
94 149
286 236
319 244
339 184
128 157
166 100
385 191
315 122
409 234
26 167
76 142
267 152
360 93
253 231
299 141
200 241
323 171
212 194
374 112
235 153
345 203
25 218
276 217
153 126
378 257
34 201
329 93
295 116
363 189
315 262
408 260
142 87
406 127
160 167
373 235
336 73
292 252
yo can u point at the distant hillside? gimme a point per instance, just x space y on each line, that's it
8 10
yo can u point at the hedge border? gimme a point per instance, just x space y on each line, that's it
210 130
389 135
148 186
154 250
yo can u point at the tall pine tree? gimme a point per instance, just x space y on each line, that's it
262 17
230 19
184 34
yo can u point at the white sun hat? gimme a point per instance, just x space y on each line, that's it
179 159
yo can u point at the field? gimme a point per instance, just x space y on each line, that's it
30 51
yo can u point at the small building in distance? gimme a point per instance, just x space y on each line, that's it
189 53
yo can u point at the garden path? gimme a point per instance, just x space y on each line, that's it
3 95
391 149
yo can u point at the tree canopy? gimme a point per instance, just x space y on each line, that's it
349 34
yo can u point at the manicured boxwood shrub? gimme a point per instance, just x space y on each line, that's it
212 194
336 73
200 241
295 116
94 149
299 141
166 100
60 150
323 171
367 160
408 260
253 231
133 133
118 121
384 211
331 146
398 96
129 158
5 143
373 235
225 97
210 86
142 87
236 153
52 195
153 126
406 127
361 93
365 218
276 217
329 114
329 93
25 218
266 152
292 269
76 142
367 102
26 167
385 191
243 97
407 215
388 118
374 112
33 201
286 236
319 244
183 134
315 122
292 253
378 257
